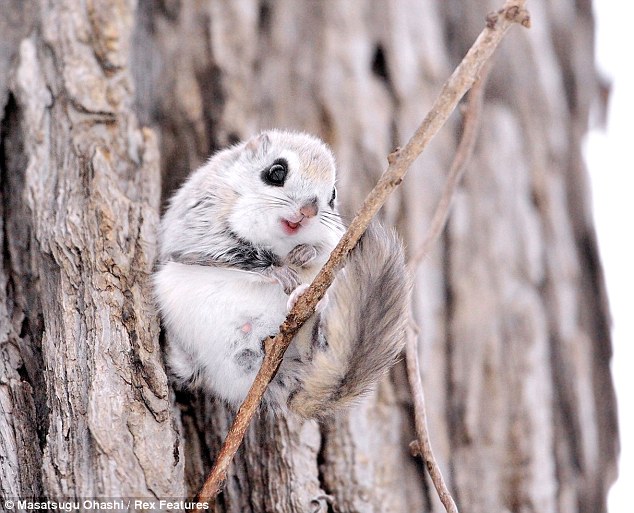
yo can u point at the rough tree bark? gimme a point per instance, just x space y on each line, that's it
86 408
515 343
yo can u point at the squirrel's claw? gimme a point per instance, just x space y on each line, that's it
295 295
301 254
285 276
321 306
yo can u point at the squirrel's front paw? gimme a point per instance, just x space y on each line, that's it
321 306
295 295
301 254
285 276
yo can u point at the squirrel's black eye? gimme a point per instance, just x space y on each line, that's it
276 174
331 203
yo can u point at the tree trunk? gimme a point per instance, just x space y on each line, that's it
515 344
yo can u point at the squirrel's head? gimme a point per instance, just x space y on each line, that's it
276 190
284 184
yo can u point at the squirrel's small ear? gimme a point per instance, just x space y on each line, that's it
259 146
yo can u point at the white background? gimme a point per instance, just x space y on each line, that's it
609 157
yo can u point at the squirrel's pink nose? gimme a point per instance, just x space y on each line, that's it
309 210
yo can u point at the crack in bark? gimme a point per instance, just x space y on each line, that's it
26 394
22 294
321 478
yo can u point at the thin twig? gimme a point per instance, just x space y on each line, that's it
464 152
422 445
399 162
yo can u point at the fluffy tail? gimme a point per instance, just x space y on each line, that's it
361 332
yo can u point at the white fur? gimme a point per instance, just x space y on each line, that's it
226 261
266 228
208 309
231 181
204 309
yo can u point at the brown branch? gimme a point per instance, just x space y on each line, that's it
422 445
464 151
399 162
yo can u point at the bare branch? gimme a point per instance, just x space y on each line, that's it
464 151
399 162
422 446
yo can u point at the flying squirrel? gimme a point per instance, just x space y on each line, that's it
238 243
